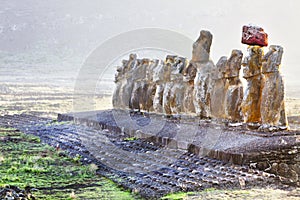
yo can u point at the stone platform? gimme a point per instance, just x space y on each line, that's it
211 138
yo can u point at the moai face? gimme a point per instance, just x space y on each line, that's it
119 73
201 48
178 65
253 62
169 62
150 70
158 72
272 60
189 73
220 69
233 64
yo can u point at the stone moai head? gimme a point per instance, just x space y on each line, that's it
233 64
145 61
272 60
131 64
220 69
170 59
201 48
179 63
120 71
252 63
189 72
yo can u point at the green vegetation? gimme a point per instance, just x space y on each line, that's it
25 161
130 139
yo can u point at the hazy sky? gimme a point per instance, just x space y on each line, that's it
68 30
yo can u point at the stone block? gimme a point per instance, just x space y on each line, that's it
254 35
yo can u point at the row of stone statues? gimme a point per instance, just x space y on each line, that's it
177 86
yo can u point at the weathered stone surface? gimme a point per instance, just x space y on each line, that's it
201 48
138 96
119 77
174 89
177 90
202 89
272 102
158 79
189 74
234 94
170 61
151 85
253 35
127 83
219 89
251 105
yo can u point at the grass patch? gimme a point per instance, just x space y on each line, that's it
130 139
25 161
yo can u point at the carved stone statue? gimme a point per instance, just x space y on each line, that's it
177 89
202 89
170 66
175 86
234 94
272 100
189 74
202 81
160 81
252 73
139 90
151 85
119 77
127 84
219 88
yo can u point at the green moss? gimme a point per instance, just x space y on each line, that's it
24 161
129 138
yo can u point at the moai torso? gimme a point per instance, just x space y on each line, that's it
177 88
158 79
202 89
139 90
168 68
189 74
151 85
202 81
234 93
272 101
252 73
119 79
219 89
127 84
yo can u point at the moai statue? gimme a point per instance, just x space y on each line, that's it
139 90
177 89
119 77
151 85
127 84
159 80
219 88
189 74
234 93
252 73
202 81
272 100
168 66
